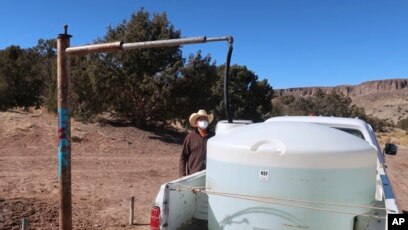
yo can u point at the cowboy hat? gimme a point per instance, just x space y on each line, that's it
200 113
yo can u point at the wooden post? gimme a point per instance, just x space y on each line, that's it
131 210
64 132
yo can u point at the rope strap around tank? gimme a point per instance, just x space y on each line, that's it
275 199
270 200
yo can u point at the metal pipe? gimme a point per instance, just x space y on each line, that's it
226 82
105 47
64 132
115 46
164 43
218 39
24 224
131 210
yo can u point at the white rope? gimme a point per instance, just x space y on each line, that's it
294 205
269 200
306 201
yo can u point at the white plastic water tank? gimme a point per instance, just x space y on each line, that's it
224 127
278 175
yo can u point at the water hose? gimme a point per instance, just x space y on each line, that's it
227 68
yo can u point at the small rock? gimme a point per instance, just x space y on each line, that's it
76 138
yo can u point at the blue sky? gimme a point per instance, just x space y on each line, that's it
291 43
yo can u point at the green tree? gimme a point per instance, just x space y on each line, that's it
20 85
249 98
134 84
91 90
4 103
301 107
331 104
45 66
321 103
193 88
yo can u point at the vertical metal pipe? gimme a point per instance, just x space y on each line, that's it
226 93
64 132
24 224
131 210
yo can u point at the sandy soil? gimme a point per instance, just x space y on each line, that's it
397 170
109 165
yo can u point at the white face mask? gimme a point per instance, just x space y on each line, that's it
202 124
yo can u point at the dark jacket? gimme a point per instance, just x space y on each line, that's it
193 157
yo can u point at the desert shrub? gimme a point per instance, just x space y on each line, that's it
325 104
403 124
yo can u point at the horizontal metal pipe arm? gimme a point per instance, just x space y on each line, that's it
218 39
115 46
164 43
104 47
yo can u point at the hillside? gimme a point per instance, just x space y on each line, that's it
386 99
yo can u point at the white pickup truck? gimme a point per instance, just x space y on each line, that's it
289 172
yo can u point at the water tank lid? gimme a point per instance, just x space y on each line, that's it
292 144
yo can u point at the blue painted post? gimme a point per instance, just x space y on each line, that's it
64 132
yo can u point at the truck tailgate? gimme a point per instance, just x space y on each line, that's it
180 207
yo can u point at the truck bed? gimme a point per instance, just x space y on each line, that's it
189 210
182 208
183 203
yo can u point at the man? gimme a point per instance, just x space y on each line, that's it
194 152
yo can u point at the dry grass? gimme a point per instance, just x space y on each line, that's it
12 126
396 136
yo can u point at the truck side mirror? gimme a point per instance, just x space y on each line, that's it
390 149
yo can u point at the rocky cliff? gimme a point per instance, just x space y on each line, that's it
364 88
386 99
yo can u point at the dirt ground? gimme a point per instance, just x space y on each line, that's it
110 164
397 170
